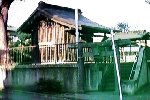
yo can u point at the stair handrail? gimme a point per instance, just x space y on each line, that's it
138 68
135 66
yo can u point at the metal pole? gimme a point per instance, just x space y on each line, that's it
77 33
116 62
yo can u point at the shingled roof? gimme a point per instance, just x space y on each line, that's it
62 15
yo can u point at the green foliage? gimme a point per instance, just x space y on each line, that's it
124 27
19 53
48 86
24 39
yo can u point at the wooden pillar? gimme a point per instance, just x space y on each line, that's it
145 42
55 39
80 64
35 50
46 40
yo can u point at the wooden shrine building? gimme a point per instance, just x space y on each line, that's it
52 29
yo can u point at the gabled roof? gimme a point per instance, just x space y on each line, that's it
62 15
131 36
127 38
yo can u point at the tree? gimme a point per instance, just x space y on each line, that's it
124 27
24 39
147 1
4 52
22 51
4 5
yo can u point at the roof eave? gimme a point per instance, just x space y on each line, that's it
98 29
28 21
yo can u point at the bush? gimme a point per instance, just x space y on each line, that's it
48 86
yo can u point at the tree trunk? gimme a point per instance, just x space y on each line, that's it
3 38
4 58
4 52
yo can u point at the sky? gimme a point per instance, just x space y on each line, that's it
105 12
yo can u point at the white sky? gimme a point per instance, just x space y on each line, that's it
105 12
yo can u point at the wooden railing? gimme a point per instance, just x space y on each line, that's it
128 53
61 53
21 54
58 53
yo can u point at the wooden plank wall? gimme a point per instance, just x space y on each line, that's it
52 40
54 32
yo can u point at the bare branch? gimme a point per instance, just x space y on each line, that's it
147 1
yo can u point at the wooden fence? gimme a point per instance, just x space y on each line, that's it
64 53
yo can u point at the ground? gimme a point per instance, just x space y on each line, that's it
22 95
142 94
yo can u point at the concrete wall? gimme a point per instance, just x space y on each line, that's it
2 77
29 76
67 74
148 72
148 61
132 86
93 76
143 78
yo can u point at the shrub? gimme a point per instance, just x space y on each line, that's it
48 86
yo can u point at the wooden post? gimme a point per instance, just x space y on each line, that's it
35 50
80 64
67 41
54 34
46 40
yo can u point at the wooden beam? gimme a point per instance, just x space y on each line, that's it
63 23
